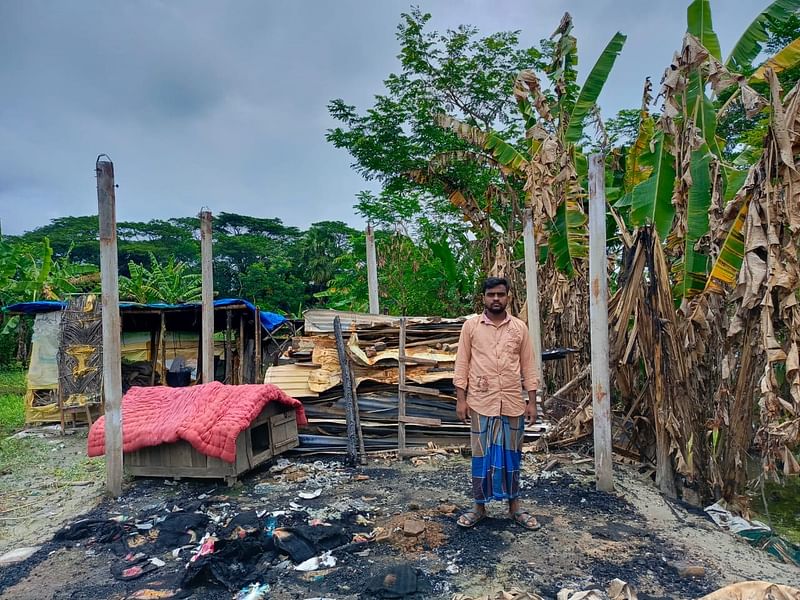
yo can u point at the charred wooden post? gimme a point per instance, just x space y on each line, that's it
598 314
347 391
112 360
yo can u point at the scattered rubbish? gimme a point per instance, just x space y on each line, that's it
18 555
361 478
157 562
310 495
617 590
206 547
255 591
687 569
262 489
413 528
398 581
326 560
362 520
513 594
153 594
754 590
453 569
756 533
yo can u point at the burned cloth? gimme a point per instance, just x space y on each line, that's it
103 531
398 581
210 417
233 563
496 456
175 530
304 542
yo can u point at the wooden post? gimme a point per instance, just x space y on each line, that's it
372 273
598 317
228 352
240 370
207 335
347 394
164 348
257 349
532 294
401 392
112 359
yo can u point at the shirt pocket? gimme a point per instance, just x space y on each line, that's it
513 343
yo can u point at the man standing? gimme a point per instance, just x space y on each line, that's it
494 354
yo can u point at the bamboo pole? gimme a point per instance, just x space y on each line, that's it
240 370
372 273
207 335
401 393
163 348
532 293
228 352
598 316
112 359
257 349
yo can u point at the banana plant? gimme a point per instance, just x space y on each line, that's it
554 128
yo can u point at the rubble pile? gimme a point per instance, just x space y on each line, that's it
311 372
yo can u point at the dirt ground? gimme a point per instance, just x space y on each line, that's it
588 538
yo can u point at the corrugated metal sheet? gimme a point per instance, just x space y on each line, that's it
321 321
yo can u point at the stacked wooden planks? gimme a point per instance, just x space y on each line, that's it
311 372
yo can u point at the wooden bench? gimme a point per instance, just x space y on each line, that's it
273 432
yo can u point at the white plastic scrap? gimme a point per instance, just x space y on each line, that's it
310 495
317 562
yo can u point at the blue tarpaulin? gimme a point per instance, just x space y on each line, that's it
269 320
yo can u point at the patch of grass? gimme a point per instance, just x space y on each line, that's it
86 469
22 456
12 401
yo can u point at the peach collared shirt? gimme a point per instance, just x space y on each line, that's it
493 364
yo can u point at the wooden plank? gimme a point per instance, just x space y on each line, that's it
415 360
112 361
401 394
424 421
207 270
598 318
421 391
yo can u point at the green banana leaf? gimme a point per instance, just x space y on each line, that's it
734 179
726 267
567 240
637 168
593 86
651 200
692 280
502 151
750 44
698 18
784 59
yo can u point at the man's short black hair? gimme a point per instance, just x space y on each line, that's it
494 282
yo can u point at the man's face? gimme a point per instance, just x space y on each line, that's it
496 299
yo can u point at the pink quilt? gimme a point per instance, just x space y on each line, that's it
210 417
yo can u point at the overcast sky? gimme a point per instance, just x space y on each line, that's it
223 104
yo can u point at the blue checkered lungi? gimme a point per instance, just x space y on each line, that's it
496 456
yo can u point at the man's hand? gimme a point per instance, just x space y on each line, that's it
462 410
530 409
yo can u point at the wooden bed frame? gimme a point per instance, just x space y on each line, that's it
273 432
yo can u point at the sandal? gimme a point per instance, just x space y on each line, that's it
525 519
469 519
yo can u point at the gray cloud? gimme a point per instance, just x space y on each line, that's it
203 103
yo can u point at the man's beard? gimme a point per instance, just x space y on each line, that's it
496 310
